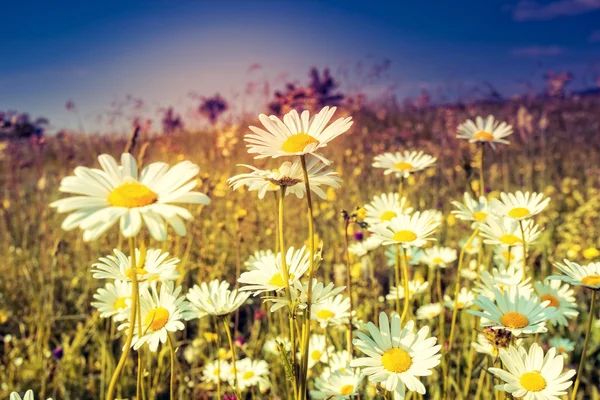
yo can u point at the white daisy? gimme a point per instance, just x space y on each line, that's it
563 346
503 279
513 312
268 276
475 210
397 356
465 299
472 270
414 287
577 275
561 297
161 314
531 375
215 370
331 311
508 255
318 351
437 256
299 295
406 230
413 255
485 131
338 385
519 206
507 232
260 256
362 248
429 311
214 298
116 193
156 267
27 396
403 164
296 134
385 207
473 247
289 175
338 361
271 345
113 300
252 373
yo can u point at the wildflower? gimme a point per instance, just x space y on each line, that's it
252 373
337 386
113 300
156 267
485 131
331 311
385 207
406 230
437 256
414 287
471 209
577 275
403 164
507 232
214 298
519 206
560 297
465 299
429 311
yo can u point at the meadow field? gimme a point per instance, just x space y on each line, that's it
55 342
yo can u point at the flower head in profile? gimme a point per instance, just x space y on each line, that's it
403 164
252 373
396 356
507 231
338 385
215 370
519 206
429 311
318 350
437 256
118 193
258 257
407 230
299 295
413 255
578 275
563 346
331 311
532 375
113 300
153 266
561 297
503 279
465 299
414 287
296 135
385 207
27 396
290 176
485 131
214 298
475 210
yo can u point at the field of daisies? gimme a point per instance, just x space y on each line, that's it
332 254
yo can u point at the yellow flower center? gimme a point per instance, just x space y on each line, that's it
561 349
438 260
138 271
325 314
156 319
479 216
216 372
132 195
248 375
297 142
460 305
591 280
120 303
346 390
388 215
403 166
277 280
483 135
532 381
518 212
396 360
514 320
316 355
508 256
509 240
404 236
553 300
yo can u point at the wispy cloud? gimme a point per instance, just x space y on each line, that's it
595 37
537 51
527 10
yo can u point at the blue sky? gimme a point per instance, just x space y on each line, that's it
96 53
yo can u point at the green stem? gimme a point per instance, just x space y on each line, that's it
349 283
585 346
397 275
525 252
172 378
235 371
481 183
406 291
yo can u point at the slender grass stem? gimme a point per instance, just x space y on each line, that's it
585 345
405 280
349 283
525 252
481 179
225 322
397 276
172 378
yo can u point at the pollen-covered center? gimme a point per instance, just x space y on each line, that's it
216 372
396 360
325 314
346 390
509 239
591 280
277 280
316 355
438 260
483 135
553 300
404 236
519 212
533 381
514 320
479 216
121 302
403 166
138 271
297 142
388 215
157 318
132 195
248 374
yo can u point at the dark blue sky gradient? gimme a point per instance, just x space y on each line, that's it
97 52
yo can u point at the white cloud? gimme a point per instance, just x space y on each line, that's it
532 10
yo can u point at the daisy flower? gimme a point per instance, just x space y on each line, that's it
331 311
397 356
215 370
473 247
338 361
252 373
116 193
113 300
429 311
406 230
503 278
413 255
577 275
465 299
403 164
156 267
362 248
28 396
563 346
268 276
271 345
318 351
337 386
299 295
475 210
561 297
385 207
296 135
214 298
160 312
507 232
260 256
485 131
531 375
508 255
290 176
437 256
472 270
492 341
514 312
414 287
519 206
